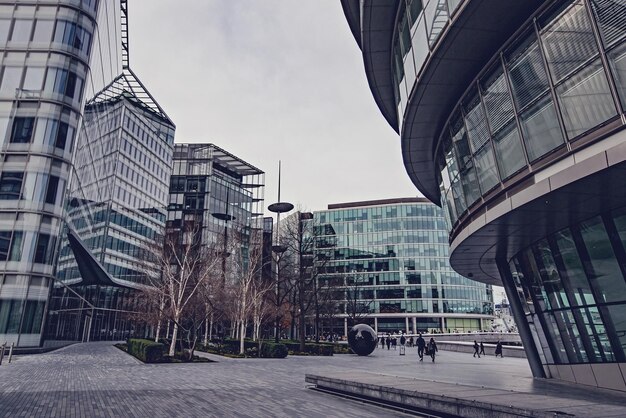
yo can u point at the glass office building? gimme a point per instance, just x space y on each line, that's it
116 212
388 265
46 74
520 138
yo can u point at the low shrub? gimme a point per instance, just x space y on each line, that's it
273 350
316 349
145 350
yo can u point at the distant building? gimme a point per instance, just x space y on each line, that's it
116 213
387 264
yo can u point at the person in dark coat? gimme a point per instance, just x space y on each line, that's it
499 349
421 343
476 348
482 348
388 342
432 348
411 341
402 340
394 342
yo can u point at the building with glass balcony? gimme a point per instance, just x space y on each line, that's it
386 263
49 58
511 116
116 212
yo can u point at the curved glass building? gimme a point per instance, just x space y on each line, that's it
387 264
511 116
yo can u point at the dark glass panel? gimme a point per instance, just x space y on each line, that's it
469 182
476 123
617 314
617 58
22 130
549 273
574 273
11 185
586 100
605 274
541 129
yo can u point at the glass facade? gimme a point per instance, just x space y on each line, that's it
213 190
116 210
45 75
392 260
572 287
550 87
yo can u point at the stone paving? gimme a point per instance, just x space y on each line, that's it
97 379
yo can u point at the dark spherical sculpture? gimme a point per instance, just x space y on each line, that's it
362 339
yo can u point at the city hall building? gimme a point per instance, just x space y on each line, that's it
386 263
511 116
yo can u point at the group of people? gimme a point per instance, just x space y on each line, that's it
480 349
430 349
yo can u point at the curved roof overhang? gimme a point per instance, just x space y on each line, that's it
372 23
476 33
592 186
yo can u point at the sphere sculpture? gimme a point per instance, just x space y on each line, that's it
362 339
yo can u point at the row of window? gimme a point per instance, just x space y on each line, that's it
43 31
552 86
365 293
35 187
19 316
423 211
572 286
401 224
27 246
148 135
45 131
31 79
417 306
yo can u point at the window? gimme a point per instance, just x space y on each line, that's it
541 129
51 193
71 34
64 82
43 31
509 152
22 130
11 79
11 185
21 30
5 243
43 249
527 72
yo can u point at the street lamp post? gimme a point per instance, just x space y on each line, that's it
278 208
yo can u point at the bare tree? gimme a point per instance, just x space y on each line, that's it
358 299
186 265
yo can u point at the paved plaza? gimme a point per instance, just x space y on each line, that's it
97 379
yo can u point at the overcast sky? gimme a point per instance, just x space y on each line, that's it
269 80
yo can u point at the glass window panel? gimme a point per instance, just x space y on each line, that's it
5 24
617 58
550 277
617 314
611 18
586 100
43 31
420 45
559 352
457 195
469 181
461 145
486 168
11 185
574 274
541 129
596 328
509 152
452 5
436 13
476 123
414 10
33 80
606 276
497 100
569 41
15 315
11 80
569 335
527 72
21 30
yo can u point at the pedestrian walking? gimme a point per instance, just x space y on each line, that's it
476 348
499 349
411 341
388 342
394 341
482 348
432 348
403 340
421 344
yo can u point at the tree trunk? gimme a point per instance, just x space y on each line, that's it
242 335
206 332
302 331
174 337
158 331
211 328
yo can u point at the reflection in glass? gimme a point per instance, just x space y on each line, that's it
585 100
486 169
509 152
527 73
541 129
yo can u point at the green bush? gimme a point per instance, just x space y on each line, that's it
321 349
146 350
273 350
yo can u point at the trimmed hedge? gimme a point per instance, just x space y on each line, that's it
273 350
231 347
321 349
146 350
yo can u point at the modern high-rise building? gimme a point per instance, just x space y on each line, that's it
116 212
511 116
387 264
46 75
